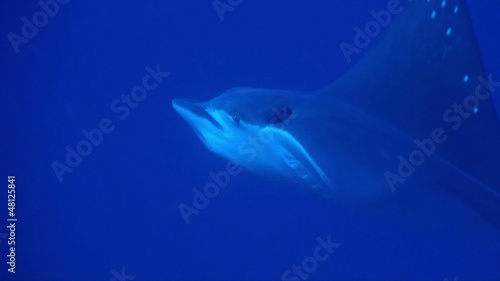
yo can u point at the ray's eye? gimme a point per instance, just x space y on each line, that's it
236 118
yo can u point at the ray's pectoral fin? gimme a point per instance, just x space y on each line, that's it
303 165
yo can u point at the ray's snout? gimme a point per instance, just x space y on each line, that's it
182 106
194 112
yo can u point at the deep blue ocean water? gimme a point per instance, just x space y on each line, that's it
117 211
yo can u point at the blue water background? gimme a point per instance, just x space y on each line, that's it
119 208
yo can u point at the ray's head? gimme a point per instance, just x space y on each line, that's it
235 117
